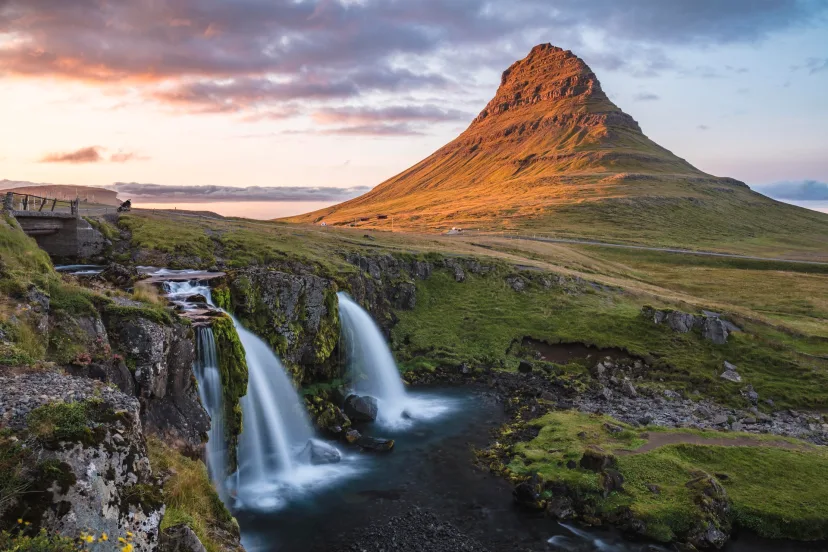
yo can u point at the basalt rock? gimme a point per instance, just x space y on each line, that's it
160 358
318 452
180 538
374 444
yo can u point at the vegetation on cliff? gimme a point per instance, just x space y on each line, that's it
191 499
233 372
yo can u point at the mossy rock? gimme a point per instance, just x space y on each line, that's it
233 372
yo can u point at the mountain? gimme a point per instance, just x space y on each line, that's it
92 194
552 153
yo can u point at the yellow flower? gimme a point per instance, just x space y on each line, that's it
127 548
27 523
104 537
19 520
121 539
89 538
129 535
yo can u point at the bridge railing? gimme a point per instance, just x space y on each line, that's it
29 202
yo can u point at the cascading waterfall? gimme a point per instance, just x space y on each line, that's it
374 371
210 391
274 452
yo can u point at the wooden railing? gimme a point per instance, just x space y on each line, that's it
28 202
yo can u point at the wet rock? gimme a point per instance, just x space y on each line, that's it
597 459
730 373
527 493
375 444
361 408
197 298
560 507
525 367
352 436
318 452
179 538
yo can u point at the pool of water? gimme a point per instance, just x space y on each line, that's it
432 467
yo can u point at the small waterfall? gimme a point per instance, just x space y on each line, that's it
370 360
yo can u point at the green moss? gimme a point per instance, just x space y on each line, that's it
158 314
329 328
143 496
764 496
233 371
221 297
73 422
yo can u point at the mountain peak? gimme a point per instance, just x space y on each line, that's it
551 78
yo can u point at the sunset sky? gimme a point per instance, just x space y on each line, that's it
346 93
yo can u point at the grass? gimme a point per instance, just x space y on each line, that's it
477 321
764 496
191 498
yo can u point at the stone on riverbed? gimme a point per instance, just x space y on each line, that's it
361 408
374 444
319 452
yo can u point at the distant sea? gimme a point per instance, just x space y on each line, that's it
262 210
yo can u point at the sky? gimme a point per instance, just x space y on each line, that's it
319 95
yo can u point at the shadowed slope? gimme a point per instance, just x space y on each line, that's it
551 152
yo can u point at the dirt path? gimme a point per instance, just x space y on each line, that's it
662 249
659 439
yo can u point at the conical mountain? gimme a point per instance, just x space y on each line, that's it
551 152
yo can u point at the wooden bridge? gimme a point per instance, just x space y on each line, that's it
56 225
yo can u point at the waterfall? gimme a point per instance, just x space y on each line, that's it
276 446
210 391
370 361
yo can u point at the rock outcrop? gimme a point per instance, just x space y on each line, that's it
85 461
712 327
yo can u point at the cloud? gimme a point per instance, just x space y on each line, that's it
193 194
815 65
803 190
646 97
254 56
92 154
399 129
393 114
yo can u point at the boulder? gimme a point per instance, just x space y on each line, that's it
611 481
750 394
730 373
560 507
361 408
597 459
527 493
711 525
332 420
179 538
119 274
628 389
374 444
525 367
318 452
517 283
352 436
715 330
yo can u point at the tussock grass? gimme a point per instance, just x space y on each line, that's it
191 498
